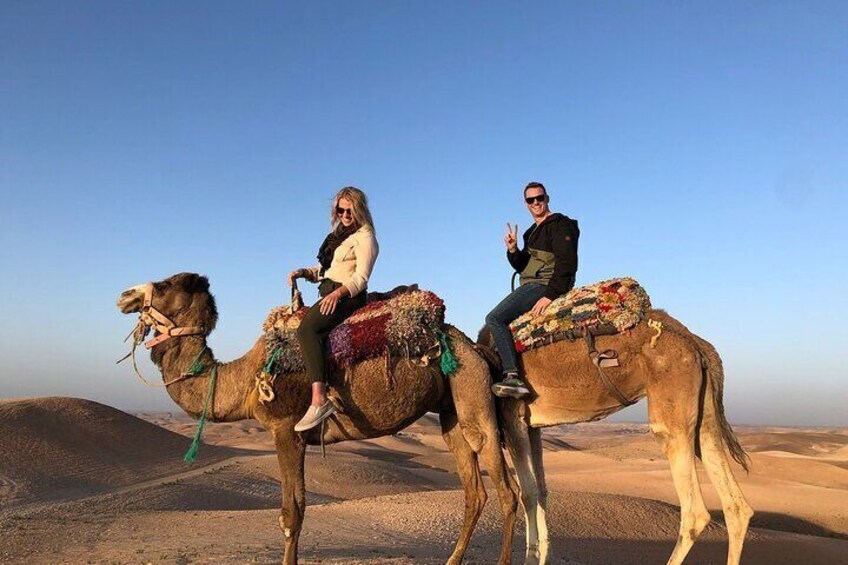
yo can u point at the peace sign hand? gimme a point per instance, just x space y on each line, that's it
511 238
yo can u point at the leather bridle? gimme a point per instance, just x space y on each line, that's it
151 318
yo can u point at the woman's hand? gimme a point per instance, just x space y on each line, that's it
297 274
540 306
328 304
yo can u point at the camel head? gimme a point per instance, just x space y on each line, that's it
183 298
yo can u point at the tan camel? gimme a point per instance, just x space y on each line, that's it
371 407
683 379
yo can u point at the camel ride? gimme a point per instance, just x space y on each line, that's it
680 373
182 313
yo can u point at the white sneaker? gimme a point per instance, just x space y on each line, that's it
314 416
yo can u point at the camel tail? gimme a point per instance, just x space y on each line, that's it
715 373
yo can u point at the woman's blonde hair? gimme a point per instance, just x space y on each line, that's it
361 213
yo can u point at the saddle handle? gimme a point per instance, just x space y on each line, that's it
296 298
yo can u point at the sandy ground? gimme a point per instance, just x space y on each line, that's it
84 483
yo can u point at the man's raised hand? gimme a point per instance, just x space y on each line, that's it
511 238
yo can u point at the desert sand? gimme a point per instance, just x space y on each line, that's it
81 482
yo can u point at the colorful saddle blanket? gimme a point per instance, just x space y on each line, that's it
406 325
619 303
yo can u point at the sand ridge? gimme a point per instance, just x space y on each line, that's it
125 495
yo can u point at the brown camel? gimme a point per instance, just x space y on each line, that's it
682 377
371 407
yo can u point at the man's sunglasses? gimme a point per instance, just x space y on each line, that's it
540 198
341 211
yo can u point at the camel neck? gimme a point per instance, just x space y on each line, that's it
229 401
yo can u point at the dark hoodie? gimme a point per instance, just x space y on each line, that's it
549 255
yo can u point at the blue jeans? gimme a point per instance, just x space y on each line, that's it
518 302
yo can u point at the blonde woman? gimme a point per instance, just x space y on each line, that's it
346 259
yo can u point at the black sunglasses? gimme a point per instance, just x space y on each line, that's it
538 198
341 211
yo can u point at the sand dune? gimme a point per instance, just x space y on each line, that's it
58 448
91 484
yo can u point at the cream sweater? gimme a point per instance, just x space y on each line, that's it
352 262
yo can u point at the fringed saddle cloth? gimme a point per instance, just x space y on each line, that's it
607 307
406 325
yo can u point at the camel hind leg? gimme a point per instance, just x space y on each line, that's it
535 435
520 447
737 511
673 412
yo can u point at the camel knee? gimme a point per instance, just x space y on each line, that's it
661 435
289 524
475 438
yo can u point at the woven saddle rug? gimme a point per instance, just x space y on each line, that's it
614 304
406 325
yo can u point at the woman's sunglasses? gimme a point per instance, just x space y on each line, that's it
342 211
531 199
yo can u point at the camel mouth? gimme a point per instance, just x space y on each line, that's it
129 302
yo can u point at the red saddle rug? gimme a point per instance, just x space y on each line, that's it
406 325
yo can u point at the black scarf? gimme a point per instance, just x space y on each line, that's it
331 243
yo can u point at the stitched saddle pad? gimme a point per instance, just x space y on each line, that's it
405 325
619 303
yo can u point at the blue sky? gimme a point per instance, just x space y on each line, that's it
702 148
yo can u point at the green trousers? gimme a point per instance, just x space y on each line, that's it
315 327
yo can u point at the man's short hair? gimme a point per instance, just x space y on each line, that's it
535 184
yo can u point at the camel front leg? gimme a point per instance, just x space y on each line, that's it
472 481
291 450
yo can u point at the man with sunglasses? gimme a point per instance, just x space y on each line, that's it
547 263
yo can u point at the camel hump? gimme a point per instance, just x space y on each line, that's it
606 307
405 322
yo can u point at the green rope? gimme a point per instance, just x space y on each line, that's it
448 363
191 454
272 359
196 366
